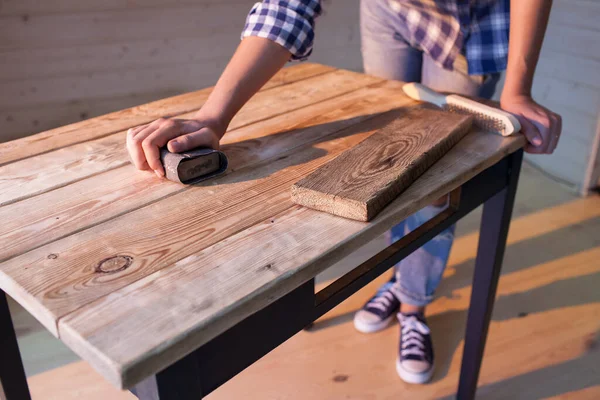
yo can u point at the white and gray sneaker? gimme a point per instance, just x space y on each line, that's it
415 356
378 313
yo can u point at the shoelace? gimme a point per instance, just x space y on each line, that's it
382 299
413 341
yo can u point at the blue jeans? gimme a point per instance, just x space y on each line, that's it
386 53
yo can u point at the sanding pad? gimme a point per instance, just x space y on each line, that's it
193 166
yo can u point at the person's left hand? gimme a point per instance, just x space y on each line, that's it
540 126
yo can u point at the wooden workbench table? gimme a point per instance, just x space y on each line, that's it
139 275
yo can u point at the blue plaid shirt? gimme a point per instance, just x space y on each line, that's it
441 28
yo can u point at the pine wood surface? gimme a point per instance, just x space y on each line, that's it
541 293
93 248
122 120
361 181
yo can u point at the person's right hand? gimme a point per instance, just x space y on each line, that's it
144 142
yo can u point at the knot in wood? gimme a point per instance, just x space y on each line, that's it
114 264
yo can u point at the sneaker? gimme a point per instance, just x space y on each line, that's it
379 312
415 356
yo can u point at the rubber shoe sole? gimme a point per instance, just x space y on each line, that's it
413 377
372 328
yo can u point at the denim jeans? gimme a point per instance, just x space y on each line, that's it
387 54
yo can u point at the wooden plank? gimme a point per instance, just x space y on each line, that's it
33 7
363 180
566 95
190 302
101 126
545 284
121 120
76 262
48 171
570 69
575 41
32 176
29 224
182 77
580 13
105 84
231 203
338 30
28 64
17 124
65 30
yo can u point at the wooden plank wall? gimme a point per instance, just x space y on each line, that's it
568 82
67 60
62 61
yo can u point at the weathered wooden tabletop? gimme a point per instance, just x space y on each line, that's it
133 272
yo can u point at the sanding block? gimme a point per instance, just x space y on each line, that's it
193 166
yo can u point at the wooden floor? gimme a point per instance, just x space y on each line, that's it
544 339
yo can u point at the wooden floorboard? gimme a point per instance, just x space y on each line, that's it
543 339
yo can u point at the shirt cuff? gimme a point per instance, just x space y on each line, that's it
287 23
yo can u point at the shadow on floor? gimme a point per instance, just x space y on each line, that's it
556 244
519 305
559 380
449 327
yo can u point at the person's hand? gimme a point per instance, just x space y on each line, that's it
144 142
540 126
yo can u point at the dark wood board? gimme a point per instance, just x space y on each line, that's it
360 182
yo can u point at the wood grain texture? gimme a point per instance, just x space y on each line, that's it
33 7
112 60
121 120
28 224
296 244
532 368
92 281
106 26
216 210
360 182
42 173
19 123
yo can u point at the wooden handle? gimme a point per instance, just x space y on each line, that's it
423 93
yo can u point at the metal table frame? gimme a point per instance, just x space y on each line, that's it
219 360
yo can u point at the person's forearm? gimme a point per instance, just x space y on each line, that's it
255 61
528 20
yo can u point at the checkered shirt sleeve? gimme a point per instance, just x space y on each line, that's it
289 23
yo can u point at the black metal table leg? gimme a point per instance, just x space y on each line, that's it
495 221
180 381
219 360
13 383
232 351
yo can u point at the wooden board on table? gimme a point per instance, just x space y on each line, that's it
360 182
28 224
53 169
68 275
296 243
273 121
